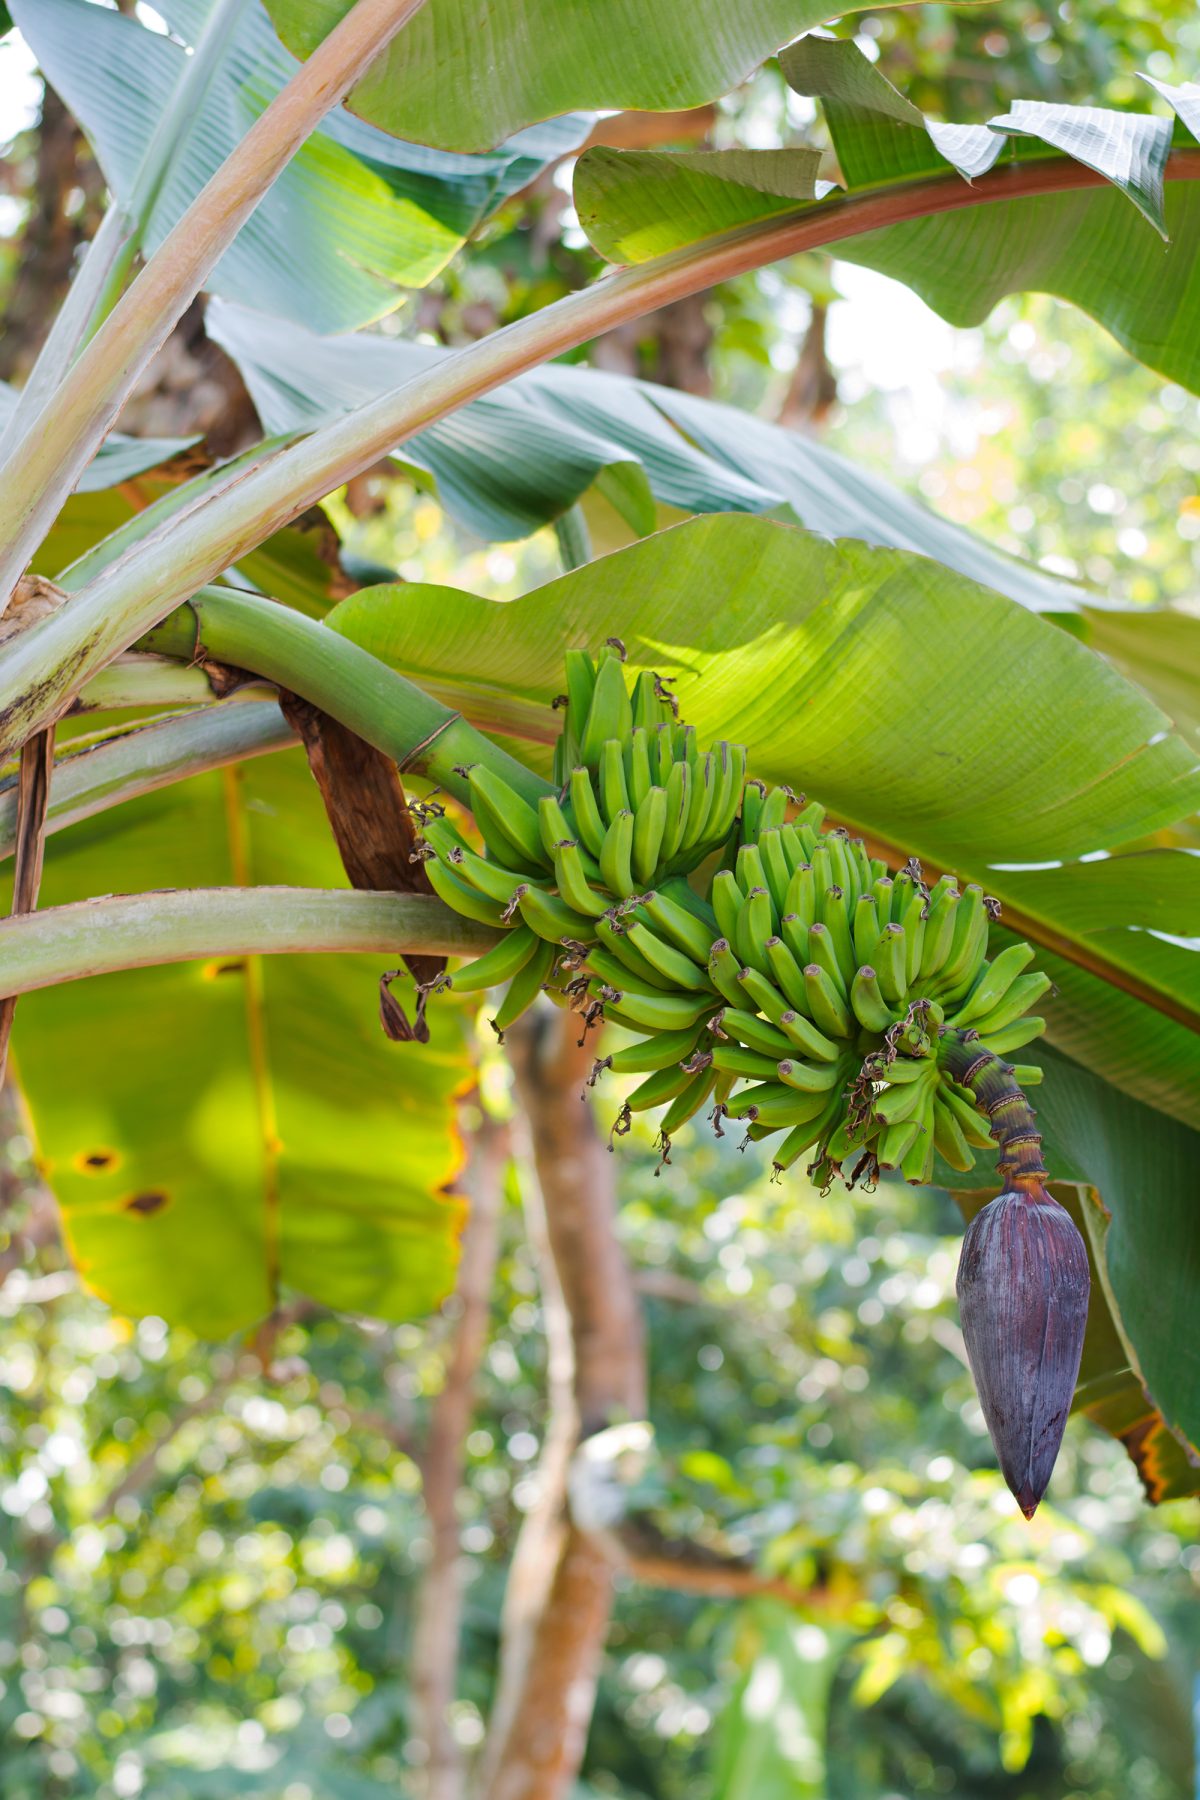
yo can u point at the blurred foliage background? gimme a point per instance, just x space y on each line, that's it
209 1554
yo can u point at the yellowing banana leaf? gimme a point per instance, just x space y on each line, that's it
219 1133
462 74
1101 248
880 683
355 217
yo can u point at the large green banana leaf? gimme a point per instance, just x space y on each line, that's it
462 74
1100 248
216 1133
511 462
355 217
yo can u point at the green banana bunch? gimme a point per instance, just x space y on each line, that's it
804 992
638 808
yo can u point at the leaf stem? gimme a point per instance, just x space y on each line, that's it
61 438
136 931
354 687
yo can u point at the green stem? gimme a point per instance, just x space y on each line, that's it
135 931
44 665
140 759
66 434
1008 1111
101 276
354 687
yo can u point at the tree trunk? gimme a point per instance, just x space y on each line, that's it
439 1598
560 1587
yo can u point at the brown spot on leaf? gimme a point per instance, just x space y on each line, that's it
97 1162
152 1201
228 966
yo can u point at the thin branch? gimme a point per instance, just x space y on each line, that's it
128 598
717 1581
136 931
60 441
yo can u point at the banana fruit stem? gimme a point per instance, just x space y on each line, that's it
996 1093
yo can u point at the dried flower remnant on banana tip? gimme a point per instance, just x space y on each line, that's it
803 989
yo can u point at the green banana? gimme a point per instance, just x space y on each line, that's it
669 961
866 998
678 790
581 684
896 1141
658 1012
968 946
658 1052
762 993
754 926
726 897
750 1065
865 929
614 794
939 932
835 916
1014 1036
638 778
610 715
589 825
617 970
825 1003
1025 992
671 920
753 795
809 1078
801 896
776 1105
755 1033
821 951
573 882
649 824
501 813
462 896
807 1039
658 1087
948 1139
524 987
687 1104
723 971
551 918
992 983
775 866
786 972
501 963
891 964
912 923
616 943
616 854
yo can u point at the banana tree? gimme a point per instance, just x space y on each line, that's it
246 1129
